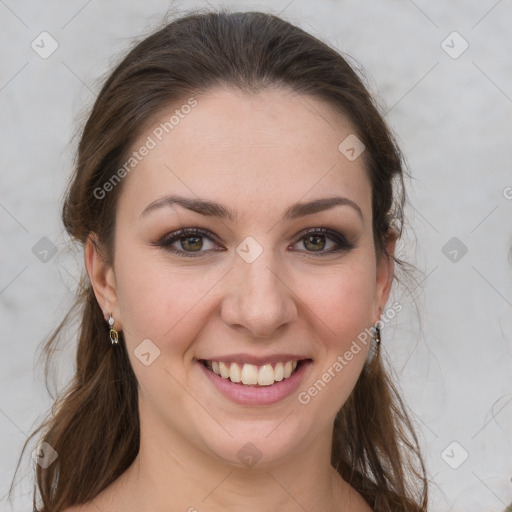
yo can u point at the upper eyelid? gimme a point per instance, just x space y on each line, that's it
202 232
184 232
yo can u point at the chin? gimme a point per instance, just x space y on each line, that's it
259 446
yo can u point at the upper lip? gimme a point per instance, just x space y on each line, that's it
256 360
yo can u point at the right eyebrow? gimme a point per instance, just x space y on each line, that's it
213 209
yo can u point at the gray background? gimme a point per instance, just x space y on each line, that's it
450 347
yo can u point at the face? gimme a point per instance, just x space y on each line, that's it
263 280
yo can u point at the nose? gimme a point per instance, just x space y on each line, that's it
258 298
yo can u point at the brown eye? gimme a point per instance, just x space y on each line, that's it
314 240
191 240
195 245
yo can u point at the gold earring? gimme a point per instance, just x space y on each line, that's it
114 338
375 345
376 336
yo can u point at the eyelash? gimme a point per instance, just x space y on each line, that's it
169 239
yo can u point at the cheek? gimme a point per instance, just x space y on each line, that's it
137 294
158 300
344 299
343 308
163 302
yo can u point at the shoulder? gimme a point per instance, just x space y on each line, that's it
104 501
90 506
348 496
357 502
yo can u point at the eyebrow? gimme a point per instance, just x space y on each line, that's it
213 209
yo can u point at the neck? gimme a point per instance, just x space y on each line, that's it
170 474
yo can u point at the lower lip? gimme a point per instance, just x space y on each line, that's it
257 395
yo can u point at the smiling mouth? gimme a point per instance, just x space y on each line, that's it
254 375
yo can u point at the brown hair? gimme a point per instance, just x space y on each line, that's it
94 425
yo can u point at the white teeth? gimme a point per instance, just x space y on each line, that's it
250 374
235 373
279 372
287 369
224 371
266 375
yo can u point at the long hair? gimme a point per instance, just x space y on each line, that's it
94 425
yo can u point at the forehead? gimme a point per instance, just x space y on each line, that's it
265 149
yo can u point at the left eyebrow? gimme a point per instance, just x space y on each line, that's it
213 209
318 205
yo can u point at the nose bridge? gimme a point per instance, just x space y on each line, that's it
261 301
260 276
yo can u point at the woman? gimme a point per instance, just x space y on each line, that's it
234 193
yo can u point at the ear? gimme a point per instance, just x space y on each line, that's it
103 280
385 272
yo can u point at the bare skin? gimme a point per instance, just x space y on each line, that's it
257 154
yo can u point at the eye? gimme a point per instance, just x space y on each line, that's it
190 241
314 241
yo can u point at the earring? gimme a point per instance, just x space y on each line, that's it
113 333
376 336
375 346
